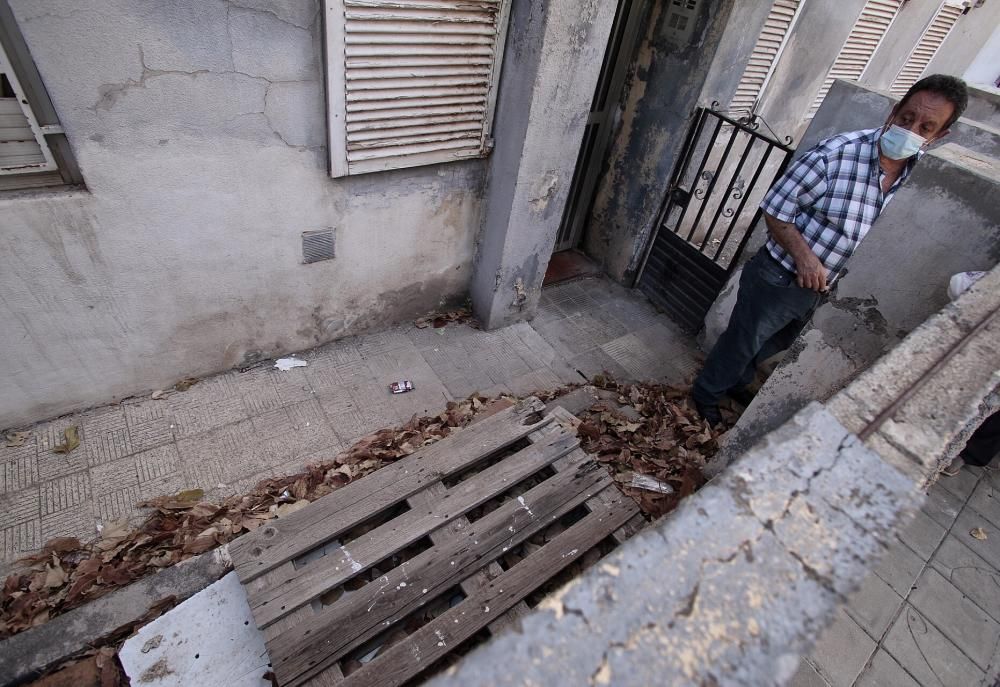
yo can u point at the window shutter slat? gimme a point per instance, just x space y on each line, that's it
411 82
22 147
760 66
873 23
926 48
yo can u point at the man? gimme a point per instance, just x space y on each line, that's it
817 214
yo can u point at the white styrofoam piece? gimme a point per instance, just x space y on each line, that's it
209 639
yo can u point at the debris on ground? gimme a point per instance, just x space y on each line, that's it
632 429
401 387
16 439
71 439
286 364
185 384
98 668
437 320
650 484
67 573
979 533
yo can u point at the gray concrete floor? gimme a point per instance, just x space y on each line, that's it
231 430
929 614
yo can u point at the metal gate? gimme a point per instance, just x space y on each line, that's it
709 213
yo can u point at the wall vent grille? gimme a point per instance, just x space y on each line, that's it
317 246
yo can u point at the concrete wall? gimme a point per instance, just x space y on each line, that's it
943 221
200 129
985 68
666 84
540 123
984 106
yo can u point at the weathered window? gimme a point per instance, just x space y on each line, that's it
927 47
33 150
773 37
411 82
873 23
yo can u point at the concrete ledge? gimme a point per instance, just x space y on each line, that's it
27 654
730 589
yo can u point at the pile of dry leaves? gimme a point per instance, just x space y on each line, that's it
67 573
441 319
649 431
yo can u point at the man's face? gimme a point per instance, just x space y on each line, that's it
925 114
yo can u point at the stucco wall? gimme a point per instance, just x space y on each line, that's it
985 69
199 127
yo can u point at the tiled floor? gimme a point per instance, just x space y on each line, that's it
929 614
229 431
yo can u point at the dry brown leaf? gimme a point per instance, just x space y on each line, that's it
71 439
979 533
286 509
185 384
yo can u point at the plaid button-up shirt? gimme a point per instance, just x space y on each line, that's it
833 195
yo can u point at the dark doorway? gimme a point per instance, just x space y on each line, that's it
625 35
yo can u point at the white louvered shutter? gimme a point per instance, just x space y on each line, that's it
411 82
869 30
23 149
927 47
770 43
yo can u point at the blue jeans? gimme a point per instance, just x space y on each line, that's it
770 311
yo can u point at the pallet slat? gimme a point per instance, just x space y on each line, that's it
268 547
321 641
432 641
285 593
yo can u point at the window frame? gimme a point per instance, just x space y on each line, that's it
60 168
334 58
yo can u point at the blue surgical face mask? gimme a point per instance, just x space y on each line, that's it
899 143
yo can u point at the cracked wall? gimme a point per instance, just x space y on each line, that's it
199 126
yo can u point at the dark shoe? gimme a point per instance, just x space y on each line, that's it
741 395
709 413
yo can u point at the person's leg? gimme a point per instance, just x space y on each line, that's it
984 444
768 300
781 341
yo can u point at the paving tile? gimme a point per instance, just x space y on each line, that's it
107 436
600 326
926 654
18 467
541 349
634 313
973 576
874 606
986 501
842 651
380 343
899 567
293 385
221 444
65 492
204 474
52 465
922 535
190 420
806 676
598 362
564 336
531 382
349 426
157 463
78 521
120 474
639 361
988 549
885 671
20 506
51 434
152 433
272 423
547 311
119 504
942 505
956 616
20 537
961 484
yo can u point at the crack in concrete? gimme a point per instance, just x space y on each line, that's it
233 3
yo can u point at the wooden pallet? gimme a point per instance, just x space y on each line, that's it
289 564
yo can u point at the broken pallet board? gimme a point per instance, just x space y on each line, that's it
286 571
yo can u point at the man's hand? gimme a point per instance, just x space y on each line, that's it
810 272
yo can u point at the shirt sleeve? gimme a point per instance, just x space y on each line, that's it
799 188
